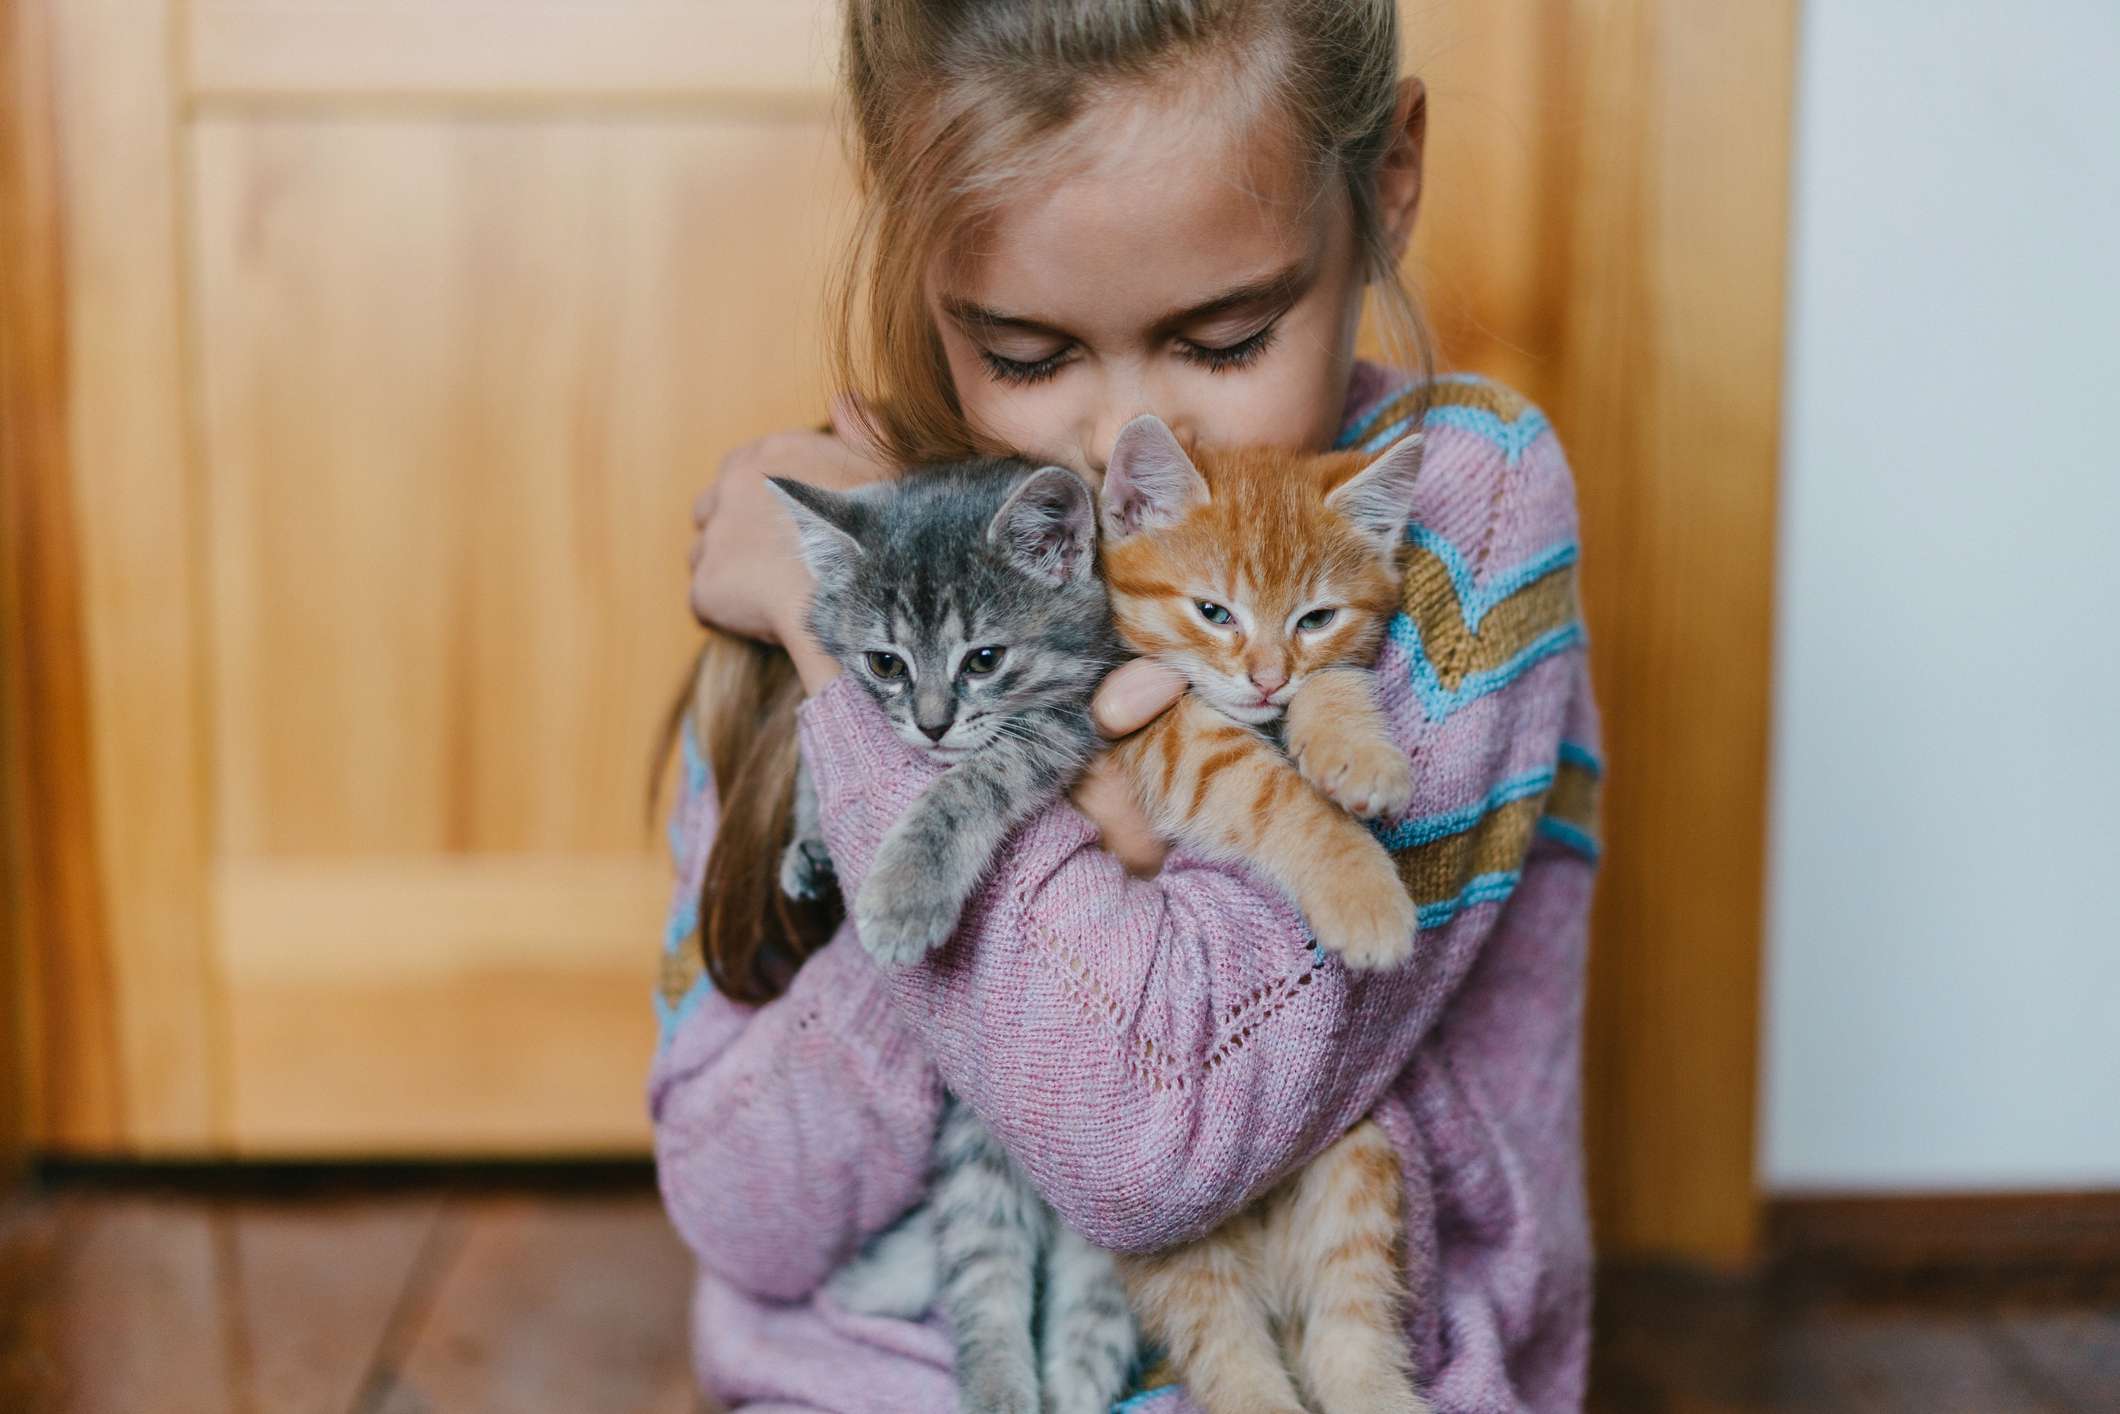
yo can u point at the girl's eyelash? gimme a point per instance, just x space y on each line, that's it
1019 373
1237 355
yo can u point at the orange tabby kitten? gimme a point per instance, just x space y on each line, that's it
1267 578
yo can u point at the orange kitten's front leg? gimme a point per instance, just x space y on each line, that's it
1337 738
1224 788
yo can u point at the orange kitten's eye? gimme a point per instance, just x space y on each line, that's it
1213 613
1316 619
887 666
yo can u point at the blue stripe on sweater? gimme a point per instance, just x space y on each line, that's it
1574 837
1512 438
1479 600
1482 888
1358 430
1439 701
1410 833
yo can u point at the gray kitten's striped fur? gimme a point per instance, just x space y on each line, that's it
930 573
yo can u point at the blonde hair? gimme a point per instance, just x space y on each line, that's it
950 106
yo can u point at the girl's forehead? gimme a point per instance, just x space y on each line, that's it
1147 209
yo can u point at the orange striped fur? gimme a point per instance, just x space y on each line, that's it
1298 1298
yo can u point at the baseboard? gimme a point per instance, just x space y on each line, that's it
1908 1232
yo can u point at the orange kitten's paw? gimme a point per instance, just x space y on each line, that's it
1364 914
1365 776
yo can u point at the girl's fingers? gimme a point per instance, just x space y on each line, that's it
1133 695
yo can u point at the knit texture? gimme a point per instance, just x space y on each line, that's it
1157 1052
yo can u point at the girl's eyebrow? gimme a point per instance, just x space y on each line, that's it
978 317
1281 287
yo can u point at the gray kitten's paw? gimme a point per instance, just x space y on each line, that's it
998 1388
904 912
871 1287
805 869
1082 1398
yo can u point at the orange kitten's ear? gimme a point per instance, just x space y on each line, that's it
1048 526
825 521
1378 499
1149 481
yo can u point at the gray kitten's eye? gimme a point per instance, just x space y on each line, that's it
887 666
1316 619
983 661
1213 613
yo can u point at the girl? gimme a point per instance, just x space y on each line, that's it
1079 211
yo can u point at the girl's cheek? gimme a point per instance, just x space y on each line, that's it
1292 403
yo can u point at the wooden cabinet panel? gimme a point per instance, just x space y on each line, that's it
740 50
418 1005
460 381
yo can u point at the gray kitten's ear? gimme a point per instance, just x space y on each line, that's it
1048 526
1149 481
1378 499
825 521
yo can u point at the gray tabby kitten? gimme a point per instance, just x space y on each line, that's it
965 600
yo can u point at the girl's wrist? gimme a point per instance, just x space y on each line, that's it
813 665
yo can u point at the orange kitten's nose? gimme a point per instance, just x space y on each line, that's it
1269 680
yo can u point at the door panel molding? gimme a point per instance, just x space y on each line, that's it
773 54
57 1030
137 534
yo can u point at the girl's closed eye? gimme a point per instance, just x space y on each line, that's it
1240 354
1214 357
1021 372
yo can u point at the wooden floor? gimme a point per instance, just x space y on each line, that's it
568 1295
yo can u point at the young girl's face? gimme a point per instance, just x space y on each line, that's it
1178 263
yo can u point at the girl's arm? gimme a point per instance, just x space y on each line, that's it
1155 1052
784 1133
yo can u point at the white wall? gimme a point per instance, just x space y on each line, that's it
1944 934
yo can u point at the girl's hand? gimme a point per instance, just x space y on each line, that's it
1131 696
748 578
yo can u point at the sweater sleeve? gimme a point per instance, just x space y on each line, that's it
784 1133
1155 1052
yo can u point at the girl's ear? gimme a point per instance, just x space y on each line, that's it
1399 175
1048 526
1378 499
1148 480
825 521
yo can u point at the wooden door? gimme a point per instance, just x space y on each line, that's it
402 336
398 337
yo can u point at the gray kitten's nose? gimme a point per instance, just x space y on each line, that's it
935 733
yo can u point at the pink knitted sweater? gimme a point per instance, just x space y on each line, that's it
1157 1052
